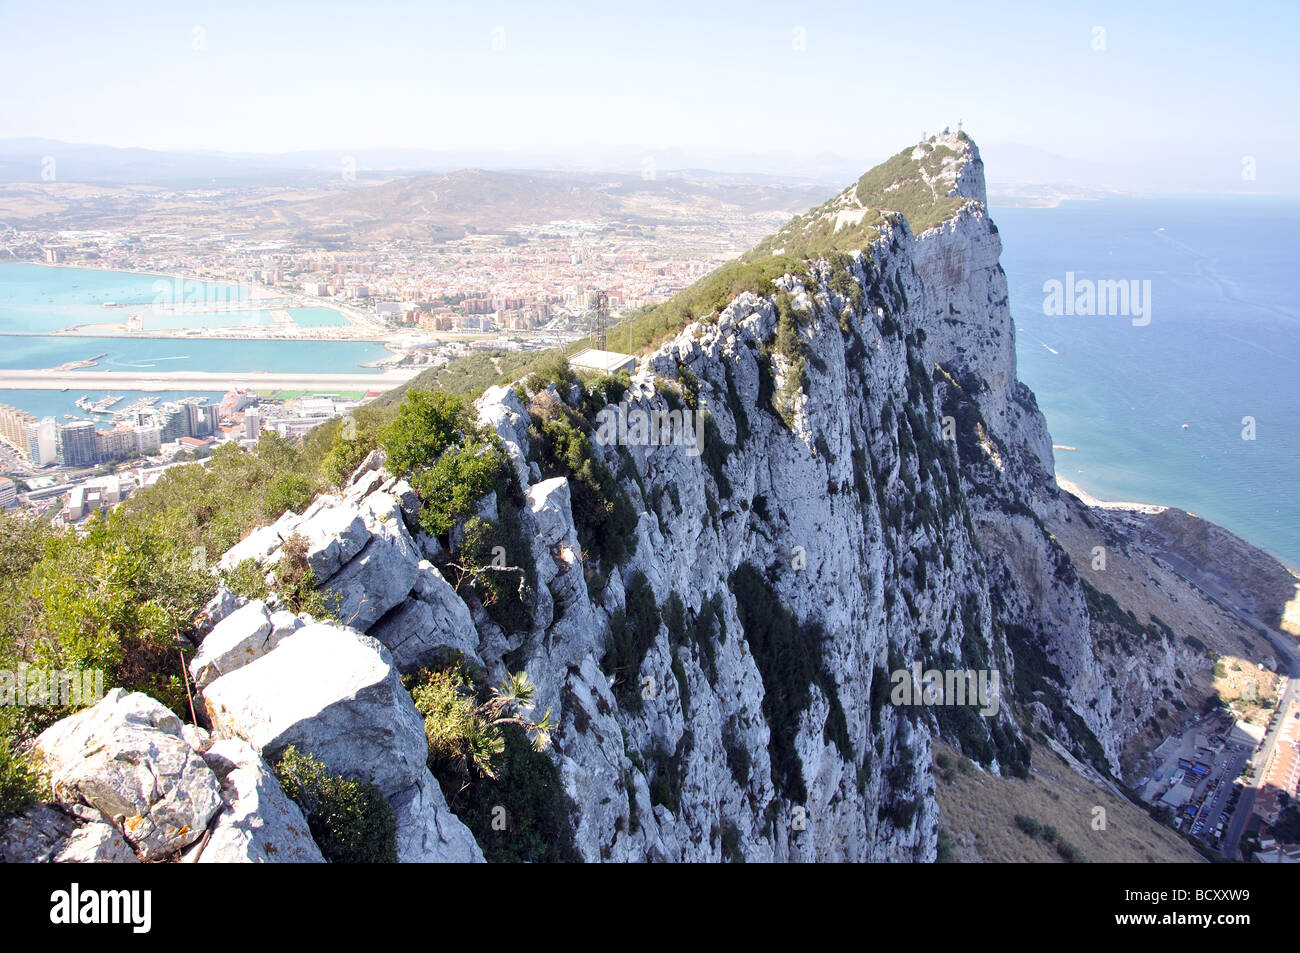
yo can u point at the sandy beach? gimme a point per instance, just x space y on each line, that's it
1090 500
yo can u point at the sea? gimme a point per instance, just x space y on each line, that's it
36 300
41 299
1195 403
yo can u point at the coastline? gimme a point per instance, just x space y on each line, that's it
1088 499
264 291
356 326
1155 509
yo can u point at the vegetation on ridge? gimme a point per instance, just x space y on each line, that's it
896 186
348 818
486 751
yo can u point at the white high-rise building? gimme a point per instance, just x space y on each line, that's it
43 442
148 438
252 423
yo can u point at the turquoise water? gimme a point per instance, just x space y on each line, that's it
165 321
30 352
53 403
36 299
1223 343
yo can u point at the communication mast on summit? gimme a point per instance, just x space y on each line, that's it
600 322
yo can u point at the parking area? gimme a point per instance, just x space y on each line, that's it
1200 775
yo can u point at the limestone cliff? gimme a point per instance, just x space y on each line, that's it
874 492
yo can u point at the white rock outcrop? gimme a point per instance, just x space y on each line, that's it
336 694
258 824
126 757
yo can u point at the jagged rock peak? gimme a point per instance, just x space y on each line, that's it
927 184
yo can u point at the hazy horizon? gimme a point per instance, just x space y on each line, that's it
764 88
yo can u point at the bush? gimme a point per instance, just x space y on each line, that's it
611 386
452 487
632 630
553 368
21 780
349 819
527 797
295 581
490 772
788 656
116 597
247 579
345 454
505 587
287 491
605 518
427 423
947 848
1028 825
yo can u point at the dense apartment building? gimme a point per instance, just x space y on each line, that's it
78 444
43 445
115 444
13 427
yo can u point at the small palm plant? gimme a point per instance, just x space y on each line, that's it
465 733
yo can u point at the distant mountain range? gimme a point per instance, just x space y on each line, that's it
1022 170
441 206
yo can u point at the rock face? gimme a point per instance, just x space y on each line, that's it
336 694
244 635
367 552
126 758
896 512
330 691
887 504
874 494
259 824
133 783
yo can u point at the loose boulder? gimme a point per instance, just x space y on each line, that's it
331 692
127 758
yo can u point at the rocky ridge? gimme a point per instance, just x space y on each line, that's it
896 513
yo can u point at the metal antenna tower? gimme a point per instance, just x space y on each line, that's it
600 322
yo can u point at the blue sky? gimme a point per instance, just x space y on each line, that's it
725 77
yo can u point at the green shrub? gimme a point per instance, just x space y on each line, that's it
788 656
1028 825
115 597
427 423
527 796
947 848
501 567
295 581
349 819
346 453
490 771
605 517
287 491
22 783
247 579
451 488
552 368
632 630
